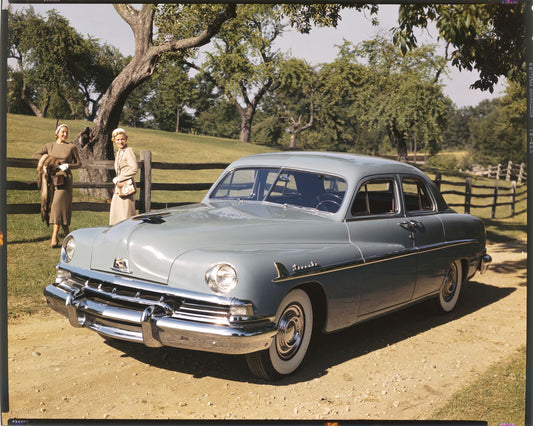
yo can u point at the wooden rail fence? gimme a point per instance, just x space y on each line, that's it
145 185
495 193
508 172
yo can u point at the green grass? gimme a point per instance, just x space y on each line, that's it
31 262
502 227
497 397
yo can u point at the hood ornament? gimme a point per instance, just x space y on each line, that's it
121 265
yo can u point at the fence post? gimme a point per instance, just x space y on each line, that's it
509 170
438 180
146 182
521 173
498 171
468 194
513 197
494 200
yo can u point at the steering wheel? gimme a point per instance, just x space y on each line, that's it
328 202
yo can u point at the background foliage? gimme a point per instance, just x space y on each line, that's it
384 94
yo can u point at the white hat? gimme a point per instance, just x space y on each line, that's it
59 128
118 131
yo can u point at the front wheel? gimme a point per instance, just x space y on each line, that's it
295 324
451 287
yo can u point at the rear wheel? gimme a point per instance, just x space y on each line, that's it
295 324
451 287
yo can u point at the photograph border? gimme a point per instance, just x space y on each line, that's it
4 377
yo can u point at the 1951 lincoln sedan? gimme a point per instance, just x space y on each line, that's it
282 245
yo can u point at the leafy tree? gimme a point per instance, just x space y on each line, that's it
403 95
61 73
172 91
44 50
94 71
180 28
298 83
15 100
135 111
243 62
457 132
498 132
221 120
485 37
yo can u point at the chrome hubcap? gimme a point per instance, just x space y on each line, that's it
290 331
450 283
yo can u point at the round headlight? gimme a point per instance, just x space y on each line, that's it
69 246
221 278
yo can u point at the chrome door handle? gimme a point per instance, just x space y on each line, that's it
409 224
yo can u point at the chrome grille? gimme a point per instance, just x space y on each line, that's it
122 296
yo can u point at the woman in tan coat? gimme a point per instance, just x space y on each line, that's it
126 168
66 156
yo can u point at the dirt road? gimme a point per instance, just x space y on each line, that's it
402 366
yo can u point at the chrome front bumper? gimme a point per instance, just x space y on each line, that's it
157 323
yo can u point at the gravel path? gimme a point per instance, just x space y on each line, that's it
402 366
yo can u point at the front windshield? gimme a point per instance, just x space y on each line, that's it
283 186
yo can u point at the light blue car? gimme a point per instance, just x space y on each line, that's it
283 245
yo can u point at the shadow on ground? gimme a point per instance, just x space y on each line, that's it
326 351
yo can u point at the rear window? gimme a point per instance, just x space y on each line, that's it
416 196
375 197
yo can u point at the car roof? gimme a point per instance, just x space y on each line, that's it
351 166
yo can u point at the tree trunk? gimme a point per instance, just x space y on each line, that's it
292 141
246 127
402 148
398 138
95 143
415 148
177 119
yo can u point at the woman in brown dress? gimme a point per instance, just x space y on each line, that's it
126 167
68 158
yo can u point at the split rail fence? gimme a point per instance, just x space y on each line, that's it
509 172
145 185
497 195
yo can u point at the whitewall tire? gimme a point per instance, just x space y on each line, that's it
286 353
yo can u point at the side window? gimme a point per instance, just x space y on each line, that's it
415 195
375 197
285 186
250 184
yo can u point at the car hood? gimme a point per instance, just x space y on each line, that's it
146 246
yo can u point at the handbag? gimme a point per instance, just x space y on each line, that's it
126 188
58 180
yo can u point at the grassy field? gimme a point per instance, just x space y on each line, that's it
31 262
498 394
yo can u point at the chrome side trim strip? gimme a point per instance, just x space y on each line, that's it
368 261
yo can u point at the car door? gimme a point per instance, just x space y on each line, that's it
425 224
389 268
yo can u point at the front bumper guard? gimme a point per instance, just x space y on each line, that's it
484 263
155 327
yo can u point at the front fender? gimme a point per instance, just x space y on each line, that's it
84 239
258 270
